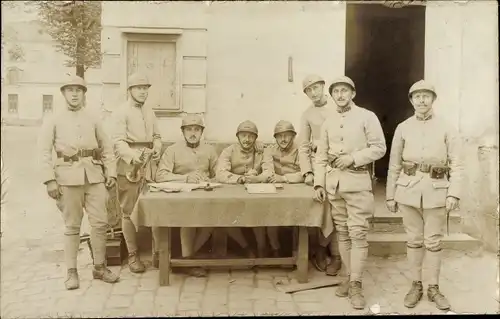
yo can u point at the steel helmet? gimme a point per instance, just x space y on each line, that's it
344 80
310 80
247 126
77 81
284 126
421 85
137 79
192 119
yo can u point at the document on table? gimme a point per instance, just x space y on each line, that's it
174 187
260 188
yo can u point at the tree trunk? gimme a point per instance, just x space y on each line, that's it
80 71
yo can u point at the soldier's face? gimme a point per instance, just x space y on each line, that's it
247 140
192 133
422 101
342 94
73 95
284 139
315 92
140 93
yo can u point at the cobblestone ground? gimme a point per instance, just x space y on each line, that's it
32 272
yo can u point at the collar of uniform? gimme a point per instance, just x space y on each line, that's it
250 150
424 118
345 109
74 109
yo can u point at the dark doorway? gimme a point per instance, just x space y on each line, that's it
384 57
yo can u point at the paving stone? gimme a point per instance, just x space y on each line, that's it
148 284
239 304
309 306
248 274
191 296
189 306
269 294
119 301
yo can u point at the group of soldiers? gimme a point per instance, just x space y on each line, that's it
337 142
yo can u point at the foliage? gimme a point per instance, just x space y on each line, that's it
76 28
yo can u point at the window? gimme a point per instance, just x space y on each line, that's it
12 76
13 103
48 103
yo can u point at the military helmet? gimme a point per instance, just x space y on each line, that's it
344 80
137 79
310 80
192 119
247 126
283 126
77 81
421 85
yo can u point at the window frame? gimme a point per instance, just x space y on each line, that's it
9 103
51 103
161 35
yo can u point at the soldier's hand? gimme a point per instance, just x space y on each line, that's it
195 177
251 172
451 203
252 179
110 182
309 179
343 161
277 179
156 154
53 190
392 206
319 194
136 159
259 147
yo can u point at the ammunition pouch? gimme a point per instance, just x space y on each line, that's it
96 154
435 171
141 145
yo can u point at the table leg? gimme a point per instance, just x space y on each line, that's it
165 250
219 242
303 255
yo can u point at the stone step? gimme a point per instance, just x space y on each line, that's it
387 222
389 244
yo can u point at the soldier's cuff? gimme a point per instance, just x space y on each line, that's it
233 178
49 179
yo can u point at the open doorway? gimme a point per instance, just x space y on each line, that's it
384 57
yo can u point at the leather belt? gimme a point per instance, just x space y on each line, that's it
94 153
141 144
351 168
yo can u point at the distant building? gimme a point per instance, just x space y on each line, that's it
32 72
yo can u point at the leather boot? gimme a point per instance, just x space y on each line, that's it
72 280
135 264
334 266
414 295
343 289
102 272
437 297
156 259
356 295
319 259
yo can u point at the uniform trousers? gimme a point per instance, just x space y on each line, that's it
350 212
73 200
425 230
128 193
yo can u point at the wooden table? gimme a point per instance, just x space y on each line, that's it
230 206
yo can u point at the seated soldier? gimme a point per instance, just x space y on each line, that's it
190 162
242 163
281 165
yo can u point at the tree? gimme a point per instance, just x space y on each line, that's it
76 28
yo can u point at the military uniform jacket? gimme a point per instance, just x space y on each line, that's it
284 163
133 124
67 132
310 131
355 131
430 141
179 160
234 162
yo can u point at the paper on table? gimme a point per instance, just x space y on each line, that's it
179 187
260 188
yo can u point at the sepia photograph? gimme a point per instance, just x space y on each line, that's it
249 158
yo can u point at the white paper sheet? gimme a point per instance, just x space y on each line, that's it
172 187
260 188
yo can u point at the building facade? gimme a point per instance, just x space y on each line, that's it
32 73
233 61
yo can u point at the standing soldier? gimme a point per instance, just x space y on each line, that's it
281 165
351 139
423 183
135 131
242 163
78 178
190 162
312 119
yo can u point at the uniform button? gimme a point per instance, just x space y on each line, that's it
341 138
341 125
341 150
